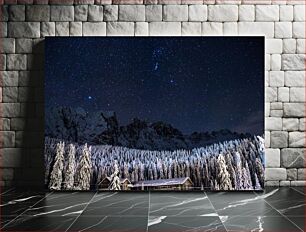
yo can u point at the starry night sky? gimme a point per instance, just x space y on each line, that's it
194 83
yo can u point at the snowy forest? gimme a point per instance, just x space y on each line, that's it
236 164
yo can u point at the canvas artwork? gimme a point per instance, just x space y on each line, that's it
154 113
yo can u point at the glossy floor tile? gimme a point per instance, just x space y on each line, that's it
110 223
275 209
180 224
180 204
259 223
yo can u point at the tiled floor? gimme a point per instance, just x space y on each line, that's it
274 210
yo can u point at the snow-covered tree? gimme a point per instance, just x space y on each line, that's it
260 171
115 181
70 169
246 178
223 178
84 175
56 176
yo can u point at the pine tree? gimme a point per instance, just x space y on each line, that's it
115 180
56 176
246 180
126 173
223 177
84 175
257 184
237 161
230 169
260 172
70 169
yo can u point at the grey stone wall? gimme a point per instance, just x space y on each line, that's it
24 24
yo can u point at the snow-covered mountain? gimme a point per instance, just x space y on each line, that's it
102 127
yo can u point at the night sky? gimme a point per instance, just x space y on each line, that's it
194 83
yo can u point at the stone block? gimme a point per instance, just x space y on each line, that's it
272 158
286 13
293 157
24 45
9 94
298 30
154 13
141 29
256 28
279 139
246 13
131 13
274 46
300 46
164 28
8 45
283 30
276 62
212 28
9 78
16 62
294 110
276 113
267 139
299 13
191 28
94 29
17 13
62 28
296 139
120 29
270 94
295 78
197 13
301 174
75 29
297 183
289 46
297 94
38 13
110 13
47 29
62 13
267 13
80 13
277 78
11 157
11 110
290 124
302 124
175 13
222 13
292 174
273 123
275 174
24 29
95 13
293 61
230 28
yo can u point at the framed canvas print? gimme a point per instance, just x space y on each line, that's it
154 113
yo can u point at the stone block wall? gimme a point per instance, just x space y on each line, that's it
25 23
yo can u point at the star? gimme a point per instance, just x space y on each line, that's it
156 66
89 97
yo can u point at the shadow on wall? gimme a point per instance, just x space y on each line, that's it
31 139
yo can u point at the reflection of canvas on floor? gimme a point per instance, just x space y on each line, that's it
159 113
